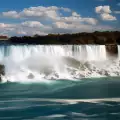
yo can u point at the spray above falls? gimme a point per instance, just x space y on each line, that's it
36 62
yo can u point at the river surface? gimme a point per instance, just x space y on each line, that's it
85 99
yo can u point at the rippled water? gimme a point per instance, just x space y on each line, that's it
87 99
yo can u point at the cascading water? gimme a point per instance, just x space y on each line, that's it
19 53
119 51
37 62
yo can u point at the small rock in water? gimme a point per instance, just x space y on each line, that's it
104 72
117 73
30 76
56 75
83 76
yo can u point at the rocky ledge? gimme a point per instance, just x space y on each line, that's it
112 50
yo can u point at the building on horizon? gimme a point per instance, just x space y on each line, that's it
3 37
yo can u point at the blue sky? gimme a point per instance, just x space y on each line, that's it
29 17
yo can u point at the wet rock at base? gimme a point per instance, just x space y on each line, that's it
2 71
104 72
30 76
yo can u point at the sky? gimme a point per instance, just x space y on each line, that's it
30 17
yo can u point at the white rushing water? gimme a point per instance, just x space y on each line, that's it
19 52
119 51
26 63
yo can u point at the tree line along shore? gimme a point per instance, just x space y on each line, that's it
100 38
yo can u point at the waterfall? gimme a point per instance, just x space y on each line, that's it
118 51
82 52
96 52
23 62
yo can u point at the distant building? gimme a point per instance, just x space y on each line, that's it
3 37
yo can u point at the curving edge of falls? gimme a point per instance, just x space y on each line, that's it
36 63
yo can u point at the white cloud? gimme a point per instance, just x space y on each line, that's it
32 24
43 12
105 13
6 26
49 13
65 9
61 27
44 20
90 21
12 14
20 32
75 14
26 28
103 9
73 19
33 27
2 25
29 32
76 18
108 17
40 12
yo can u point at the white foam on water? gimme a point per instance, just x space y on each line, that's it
64 101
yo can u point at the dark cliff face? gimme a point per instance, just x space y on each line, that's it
100 38
2 71
112 50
